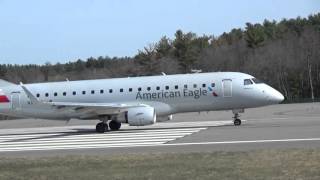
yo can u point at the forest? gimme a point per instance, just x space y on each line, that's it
284 54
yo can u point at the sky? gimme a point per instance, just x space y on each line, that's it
40 31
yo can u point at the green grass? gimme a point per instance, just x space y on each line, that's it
262 164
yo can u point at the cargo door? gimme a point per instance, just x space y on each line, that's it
15 100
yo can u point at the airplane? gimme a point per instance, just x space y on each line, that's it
137 101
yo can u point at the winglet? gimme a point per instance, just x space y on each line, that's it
32 98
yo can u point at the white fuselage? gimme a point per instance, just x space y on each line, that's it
167 94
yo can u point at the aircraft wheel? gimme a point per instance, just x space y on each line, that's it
237 122
114 125
101 127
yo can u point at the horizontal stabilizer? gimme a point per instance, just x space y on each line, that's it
4 83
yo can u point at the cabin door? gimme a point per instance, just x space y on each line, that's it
227 87
15 100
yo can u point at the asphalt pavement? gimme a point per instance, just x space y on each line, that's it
272 127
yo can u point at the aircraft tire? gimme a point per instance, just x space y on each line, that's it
237 122
101 127
114 125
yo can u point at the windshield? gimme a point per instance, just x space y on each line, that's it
247 82
257 81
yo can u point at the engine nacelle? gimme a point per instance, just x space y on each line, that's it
141 116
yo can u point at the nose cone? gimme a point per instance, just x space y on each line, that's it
275 96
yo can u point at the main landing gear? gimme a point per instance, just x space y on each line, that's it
236 120
103 126
114 125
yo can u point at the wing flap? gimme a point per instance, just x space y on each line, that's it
99 108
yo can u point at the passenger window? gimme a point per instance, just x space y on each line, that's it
121 90
213 84
38 95
110 90
194 86
167 87
74 93
176 86
92 91
55 94
158 88
47 94
186 86
139 89
83 92
204 85
64 94
130 89
101 91
149 88
247 82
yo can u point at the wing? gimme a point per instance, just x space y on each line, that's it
86 110
94 108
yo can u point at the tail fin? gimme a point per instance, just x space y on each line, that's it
33 99
4 83
3 97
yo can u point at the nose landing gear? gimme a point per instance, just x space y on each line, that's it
237 121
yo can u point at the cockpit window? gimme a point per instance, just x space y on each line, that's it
247 82
257 81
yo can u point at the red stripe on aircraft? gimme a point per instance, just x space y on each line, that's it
4 99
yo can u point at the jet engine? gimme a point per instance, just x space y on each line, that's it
140 116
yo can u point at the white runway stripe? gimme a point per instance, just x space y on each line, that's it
108 134
25 145
71 140
143 144
70 137
91 139
91 128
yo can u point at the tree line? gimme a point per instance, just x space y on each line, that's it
284 54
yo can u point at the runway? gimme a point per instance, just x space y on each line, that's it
55 141
281 126
84 137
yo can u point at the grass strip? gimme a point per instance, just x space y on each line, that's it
259 164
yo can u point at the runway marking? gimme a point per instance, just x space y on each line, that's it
244 142
54 141
90 128
84 137
150 143
107 134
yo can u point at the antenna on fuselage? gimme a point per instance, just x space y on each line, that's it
196 70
